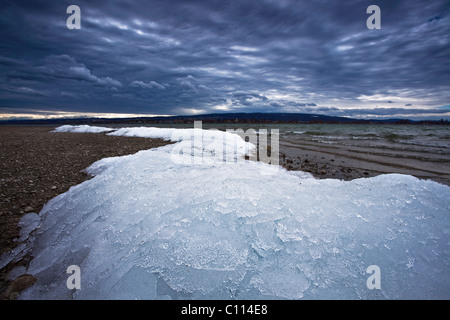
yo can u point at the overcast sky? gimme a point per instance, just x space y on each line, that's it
190 57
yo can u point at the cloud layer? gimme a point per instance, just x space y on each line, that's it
182 57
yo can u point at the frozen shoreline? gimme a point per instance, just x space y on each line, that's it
230 232
37 165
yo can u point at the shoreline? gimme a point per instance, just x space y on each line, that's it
37 165
337 161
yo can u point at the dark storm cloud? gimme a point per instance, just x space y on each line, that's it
177 57
376 112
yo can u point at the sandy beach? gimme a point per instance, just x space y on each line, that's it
343 162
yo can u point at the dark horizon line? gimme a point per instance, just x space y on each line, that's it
235 117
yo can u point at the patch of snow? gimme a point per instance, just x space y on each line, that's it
82 129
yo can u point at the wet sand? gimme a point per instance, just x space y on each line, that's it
359 160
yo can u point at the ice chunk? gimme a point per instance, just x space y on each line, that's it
27 224
82 129
281 281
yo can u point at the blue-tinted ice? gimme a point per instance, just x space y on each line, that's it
148 228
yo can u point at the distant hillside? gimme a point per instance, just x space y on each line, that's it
216 118
264 118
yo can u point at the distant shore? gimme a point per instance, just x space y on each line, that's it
224 118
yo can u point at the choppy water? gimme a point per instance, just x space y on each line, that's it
407 135
357 134
437 136
419 150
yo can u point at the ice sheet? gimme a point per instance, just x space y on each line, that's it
148 227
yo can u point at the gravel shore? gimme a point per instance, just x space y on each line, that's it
36 165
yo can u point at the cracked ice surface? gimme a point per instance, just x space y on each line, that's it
146 227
